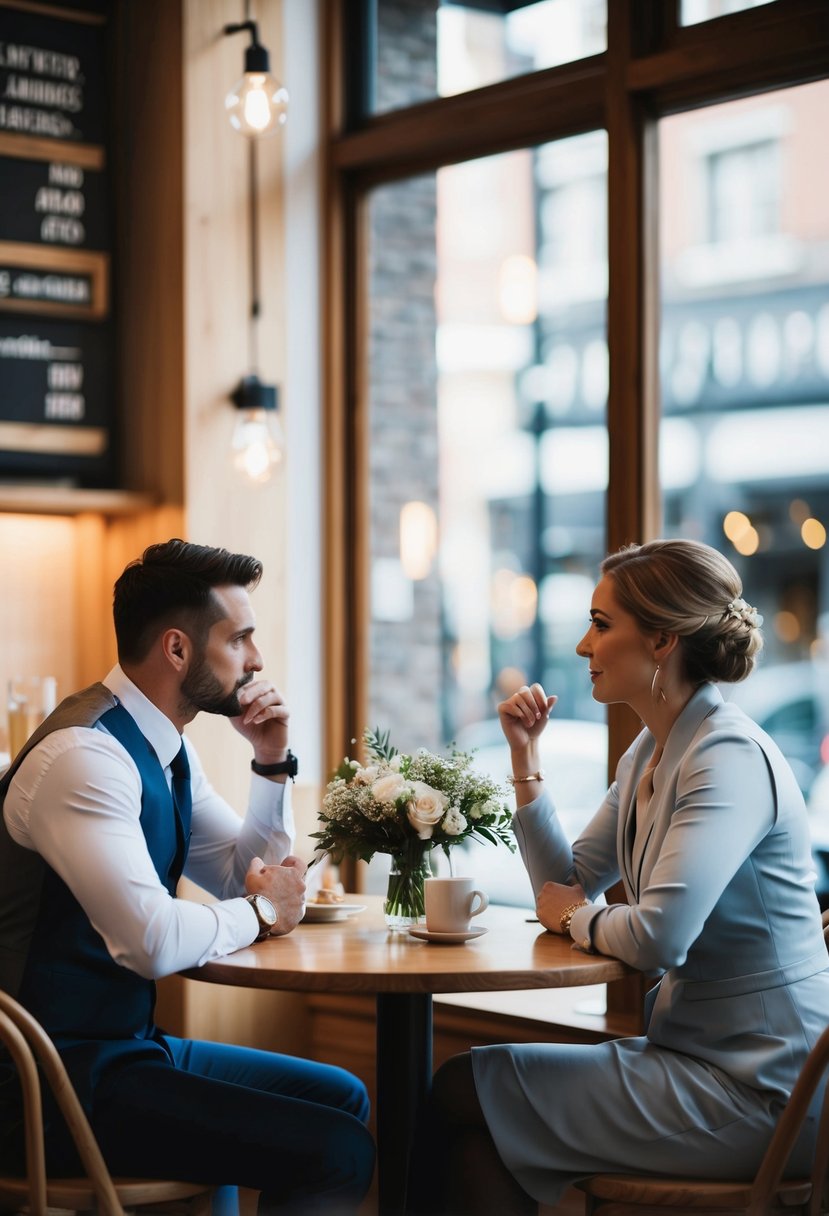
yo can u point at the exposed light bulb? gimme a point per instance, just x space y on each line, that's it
257 104
257 444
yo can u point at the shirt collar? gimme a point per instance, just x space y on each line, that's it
154 725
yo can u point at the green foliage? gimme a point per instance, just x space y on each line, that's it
401 803
378 744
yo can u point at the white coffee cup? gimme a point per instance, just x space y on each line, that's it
450 904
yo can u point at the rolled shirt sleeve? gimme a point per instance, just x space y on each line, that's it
76 800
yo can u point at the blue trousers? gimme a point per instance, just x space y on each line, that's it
292 1129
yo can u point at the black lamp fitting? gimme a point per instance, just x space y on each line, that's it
257 58
252 394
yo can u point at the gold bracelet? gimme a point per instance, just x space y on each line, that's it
538 775
567 914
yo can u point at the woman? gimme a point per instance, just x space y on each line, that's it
707 829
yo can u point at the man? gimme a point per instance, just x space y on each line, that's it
103 810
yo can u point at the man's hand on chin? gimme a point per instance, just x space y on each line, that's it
263 720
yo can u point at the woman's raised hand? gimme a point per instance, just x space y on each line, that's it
524 715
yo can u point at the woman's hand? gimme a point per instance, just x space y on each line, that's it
553 898
524 716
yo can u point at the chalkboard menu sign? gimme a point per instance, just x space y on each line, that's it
52 78
53 202
55 341
55 394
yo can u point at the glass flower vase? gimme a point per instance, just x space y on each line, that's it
404 906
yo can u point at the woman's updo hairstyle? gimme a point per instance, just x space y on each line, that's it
687 588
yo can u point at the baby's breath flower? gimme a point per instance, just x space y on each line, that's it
399 802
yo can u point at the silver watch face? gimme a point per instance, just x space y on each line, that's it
264 910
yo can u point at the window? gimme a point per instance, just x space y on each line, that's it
561 334
426 49
743 188
694 11
488 466
745 382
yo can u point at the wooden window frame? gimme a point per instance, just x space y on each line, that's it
652 67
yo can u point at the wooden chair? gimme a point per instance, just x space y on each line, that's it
29 1045
769 1194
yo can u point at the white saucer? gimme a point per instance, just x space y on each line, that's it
327 912
448 939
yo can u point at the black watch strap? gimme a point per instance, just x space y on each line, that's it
289 765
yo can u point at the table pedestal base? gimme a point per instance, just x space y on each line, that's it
404 1077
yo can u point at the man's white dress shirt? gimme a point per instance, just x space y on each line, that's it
76 800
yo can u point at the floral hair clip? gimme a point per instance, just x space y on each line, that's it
741 611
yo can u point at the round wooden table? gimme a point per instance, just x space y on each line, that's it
360 955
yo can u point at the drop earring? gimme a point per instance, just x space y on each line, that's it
657 692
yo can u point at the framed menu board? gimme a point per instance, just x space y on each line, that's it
55 379
52 73
56 371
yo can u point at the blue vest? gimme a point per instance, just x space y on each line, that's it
96 1011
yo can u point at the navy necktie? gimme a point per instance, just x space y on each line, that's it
182 804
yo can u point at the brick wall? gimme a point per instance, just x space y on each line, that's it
405 656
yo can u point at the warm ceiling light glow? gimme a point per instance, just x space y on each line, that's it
747 542
798 511
518 289
418 539
735 525
514 603
786 626
813 533
509 680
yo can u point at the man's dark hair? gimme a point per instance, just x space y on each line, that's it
171 585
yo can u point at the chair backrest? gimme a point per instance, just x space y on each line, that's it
788 1129
29 1045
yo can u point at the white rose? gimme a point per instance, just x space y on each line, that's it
388 788
426 809
454 822
395 762
367 775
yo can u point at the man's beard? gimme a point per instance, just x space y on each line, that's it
202 691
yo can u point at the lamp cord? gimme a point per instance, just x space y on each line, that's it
255 292
253 219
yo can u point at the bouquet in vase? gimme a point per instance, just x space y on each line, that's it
406 806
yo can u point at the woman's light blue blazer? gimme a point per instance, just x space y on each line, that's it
719 877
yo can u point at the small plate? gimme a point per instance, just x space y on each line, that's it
448 939
323 912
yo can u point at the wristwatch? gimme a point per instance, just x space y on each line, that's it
266 914
289 765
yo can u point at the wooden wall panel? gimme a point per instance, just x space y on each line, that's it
223 508
220 347
149 260
38 622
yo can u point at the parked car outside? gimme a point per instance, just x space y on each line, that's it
791 703
818 805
